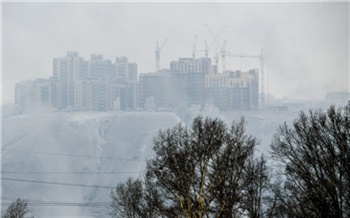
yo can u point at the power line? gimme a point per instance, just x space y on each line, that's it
60 205
56 183
55 203
72 155
71 173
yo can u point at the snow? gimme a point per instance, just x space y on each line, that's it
93 142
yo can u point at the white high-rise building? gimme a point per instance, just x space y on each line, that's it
67 71
83 85
99 68
33 94
125 70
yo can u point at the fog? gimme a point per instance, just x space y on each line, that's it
306 44
65 162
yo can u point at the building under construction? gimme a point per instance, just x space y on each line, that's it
100 85
191 81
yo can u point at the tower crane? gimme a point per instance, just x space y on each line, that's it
206 50
194 47
222 48
261 57
216 57
157 51
194 51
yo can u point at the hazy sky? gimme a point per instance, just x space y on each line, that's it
306 43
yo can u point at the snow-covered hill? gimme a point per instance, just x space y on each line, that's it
66 163
70 149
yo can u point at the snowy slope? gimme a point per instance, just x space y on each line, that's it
75 142
79 151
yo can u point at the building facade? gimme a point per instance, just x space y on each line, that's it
81 85
100 85
191 81
234 90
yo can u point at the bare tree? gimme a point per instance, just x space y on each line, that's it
135 199
17 209
315 157
126 199
200 171
208 170
257 191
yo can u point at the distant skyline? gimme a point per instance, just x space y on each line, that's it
306 43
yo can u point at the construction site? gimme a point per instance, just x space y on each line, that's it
100 85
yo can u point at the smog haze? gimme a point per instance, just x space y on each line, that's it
306 44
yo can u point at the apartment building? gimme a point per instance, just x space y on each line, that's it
83 85
100 85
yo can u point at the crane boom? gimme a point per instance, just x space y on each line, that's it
163 44
222 48
215 37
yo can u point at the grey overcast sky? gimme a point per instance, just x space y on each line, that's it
306 43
